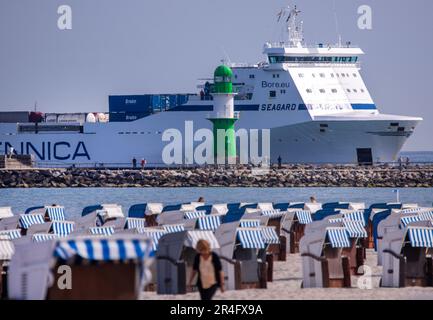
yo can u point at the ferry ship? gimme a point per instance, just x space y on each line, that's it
312 99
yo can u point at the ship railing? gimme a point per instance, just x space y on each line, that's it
282 44
319 64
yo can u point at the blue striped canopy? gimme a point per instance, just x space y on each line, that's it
56 213
338 237
42 237
272 213
12 234
250 238
336 220
355 228
132 223
408 220
62 228
421 237
411 210
27 220
106 249
270 235
426 216
355 216
249 223
172 228
154 234
102 231
194 214
209 222
304 217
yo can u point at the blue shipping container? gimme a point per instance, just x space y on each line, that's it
133 103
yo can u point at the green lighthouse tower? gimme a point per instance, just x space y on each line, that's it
223 118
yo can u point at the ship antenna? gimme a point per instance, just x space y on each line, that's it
292 26
337 28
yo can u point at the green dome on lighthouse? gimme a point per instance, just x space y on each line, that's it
223 79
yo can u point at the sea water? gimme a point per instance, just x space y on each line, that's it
75 199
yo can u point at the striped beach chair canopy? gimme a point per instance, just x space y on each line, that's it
406 220
12 233
195 235
102 231
42 237
274 213
420 237
355 216
27 220
355 228
270 235
249 223
250 238
56 213
335 220
194 214
7 248
154 234
304 216
411 210
132 223
338 237
62 228
103 249
426 216
209 222
172 228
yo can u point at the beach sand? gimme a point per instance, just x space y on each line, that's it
287 286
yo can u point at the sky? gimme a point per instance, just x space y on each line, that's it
165 46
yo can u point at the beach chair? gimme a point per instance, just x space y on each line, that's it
39 228
275 218
372 225
148 211
11 233
407 256
29 272
110 212
9 223
323 262
55 213
113 268
6 212
175 258
62 228
293 226
209 222
28 220
7 250
170 217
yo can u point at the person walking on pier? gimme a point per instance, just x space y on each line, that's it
134 163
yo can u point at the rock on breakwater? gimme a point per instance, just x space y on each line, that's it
289 176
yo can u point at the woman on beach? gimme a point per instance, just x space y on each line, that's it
207 265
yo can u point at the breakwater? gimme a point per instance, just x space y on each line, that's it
288 176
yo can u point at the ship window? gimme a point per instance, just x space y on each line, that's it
394 124
332 75
355 75
347 75
343 75
323 125
322 75
362 90
272 94
283 91
400 129
313 75
348 90
337 75
252 76
301 75
322 90
309 91
334 90
354 90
